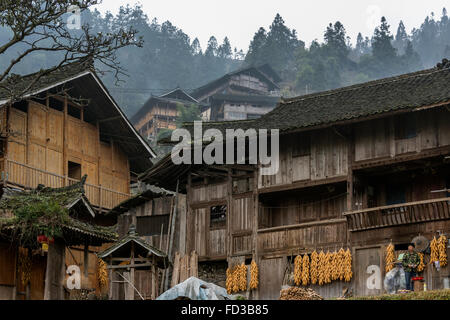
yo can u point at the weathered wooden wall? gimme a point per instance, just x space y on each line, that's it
47 139
377 139
313 156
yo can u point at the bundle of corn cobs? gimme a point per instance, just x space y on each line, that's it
442 248
439 250
421 265
236 279
298 263
24 266
296 293
253 275
390 257
102 273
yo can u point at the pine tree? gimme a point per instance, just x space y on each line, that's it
211 49
256 49
224 50
401 38
381 43
336 41
195 47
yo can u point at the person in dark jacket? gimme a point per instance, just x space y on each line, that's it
410 262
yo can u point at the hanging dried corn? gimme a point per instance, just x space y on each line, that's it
434 256
314 267
298 262
102 273
442 249
235 279
305 270
348 266
229 281
334 266
243 277
328 266
341 259
421 265
322 268
390 257
253 275
24 266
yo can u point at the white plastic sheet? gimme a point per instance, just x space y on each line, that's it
195 289
395 280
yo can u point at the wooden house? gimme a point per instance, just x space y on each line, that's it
160 113
247 93
29 271
360 167
67 126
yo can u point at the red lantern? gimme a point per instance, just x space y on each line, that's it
42 239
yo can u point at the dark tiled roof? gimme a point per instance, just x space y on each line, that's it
122 249
424 88
259 99
66 197
404 92
197 93
152 192
62 74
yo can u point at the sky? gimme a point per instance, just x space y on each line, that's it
240 19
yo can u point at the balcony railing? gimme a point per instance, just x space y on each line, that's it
25 176
405 213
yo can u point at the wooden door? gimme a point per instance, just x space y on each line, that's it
271 278
368 273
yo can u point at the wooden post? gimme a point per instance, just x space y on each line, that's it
55 273
229 240
154 276
172 232
65 143
86 266
130 287
255 222
28 285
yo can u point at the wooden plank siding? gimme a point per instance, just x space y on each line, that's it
43 139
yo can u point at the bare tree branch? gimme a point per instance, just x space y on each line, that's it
41 26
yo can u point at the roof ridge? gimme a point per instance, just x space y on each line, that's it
367 84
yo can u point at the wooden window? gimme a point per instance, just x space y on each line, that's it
74 170
301 147
405 127
152 225
218 216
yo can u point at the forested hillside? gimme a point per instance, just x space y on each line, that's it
169 57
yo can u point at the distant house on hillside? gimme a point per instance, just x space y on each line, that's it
247 93
160 112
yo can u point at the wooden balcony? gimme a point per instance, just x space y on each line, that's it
25 176
400 214
310 235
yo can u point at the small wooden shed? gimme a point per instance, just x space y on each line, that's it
127 255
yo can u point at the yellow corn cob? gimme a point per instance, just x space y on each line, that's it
305 270
434 256
314 267
421 265
253 275
390 257
442 249
298 261
348 266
